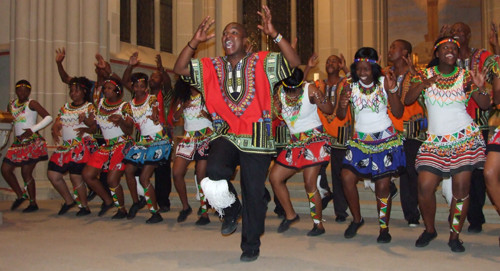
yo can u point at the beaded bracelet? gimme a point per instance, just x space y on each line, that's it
278 38
394 90
192 48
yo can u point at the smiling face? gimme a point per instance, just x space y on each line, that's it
461 33
234 39
364 72
447 53
332 64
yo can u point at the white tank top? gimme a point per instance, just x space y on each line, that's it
69 117
141 114
301 115
446 108
193 121
370 110
109 129
24 117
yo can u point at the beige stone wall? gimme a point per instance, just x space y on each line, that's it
84 27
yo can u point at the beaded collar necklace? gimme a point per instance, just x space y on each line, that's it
446 81
367 89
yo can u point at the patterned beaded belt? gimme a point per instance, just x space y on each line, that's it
466 132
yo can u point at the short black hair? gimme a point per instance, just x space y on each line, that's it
369 53
293 81
406 45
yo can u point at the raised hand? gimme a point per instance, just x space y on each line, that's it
390 80
479 78
313 60
201 34
409 62
134 59
101 63
159 65
60 54
267 26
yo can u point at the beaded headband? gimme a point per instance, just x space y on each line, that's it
292 87
80 85
445 41
365 60
23 85
115 84
139 80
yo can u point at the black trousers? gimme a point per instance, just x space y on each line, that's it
477 194
163 182
339 202
408 181
221 164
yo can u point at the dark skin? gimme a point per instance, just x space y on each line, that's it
23 94
90 173
77 95
400 59
427 181
235 42
180 165
140 90
364 71
349 178
279 174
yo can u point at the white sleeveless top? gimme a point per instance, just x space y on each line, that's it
193 121
370 110
24 117
109 129
141 114
301 115
69 117
446 108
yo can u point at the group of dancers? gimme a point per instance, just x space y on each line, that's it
374 123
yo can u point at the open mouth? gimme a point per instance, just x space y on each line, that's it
228 44
449 56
